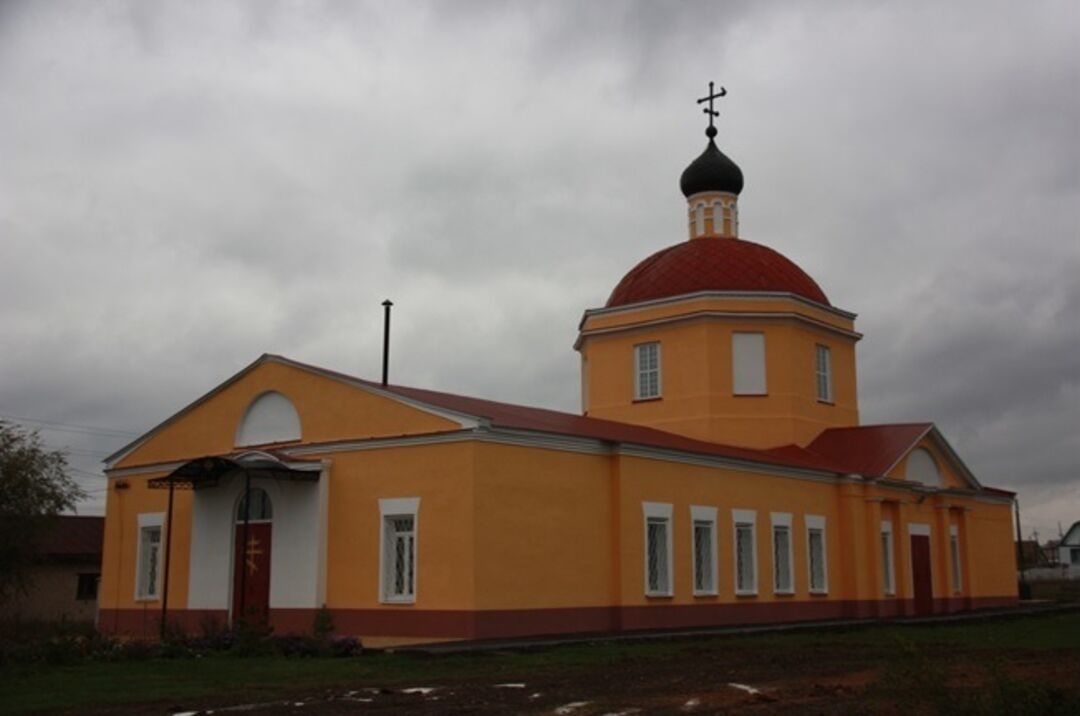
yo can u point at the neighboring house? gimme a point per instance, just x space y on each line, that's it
717 474
1069 547
64 579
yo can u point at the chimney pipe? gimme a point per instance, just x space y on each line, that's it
386 340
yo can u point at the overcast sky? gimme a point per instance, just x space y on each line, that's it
185 186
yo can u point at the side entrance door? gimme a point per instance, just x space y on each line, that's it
920 574
251 561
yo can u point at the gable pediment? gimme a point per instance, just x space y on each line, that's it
278 401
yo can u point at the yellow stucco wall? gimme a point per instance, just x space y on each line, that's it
697 395
441 476
118 562
543 528
328 410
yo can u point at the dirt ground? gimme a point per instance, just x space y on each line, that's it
819 679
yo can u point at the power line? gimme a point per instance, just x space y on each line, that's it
73 427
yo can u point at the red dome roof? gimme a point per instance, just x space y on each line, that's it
713 265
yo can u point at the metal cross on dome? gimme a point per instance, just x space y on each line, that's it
711 131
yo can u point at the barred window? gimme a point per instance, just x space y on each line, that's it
659 574
149 562
647 371
398 568
745 553
824 374
815 540
704 536
888 570
954 552
400 558
782 558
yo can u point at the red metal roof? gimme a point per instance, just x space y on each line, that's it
714 265
868 450
72 536
506 415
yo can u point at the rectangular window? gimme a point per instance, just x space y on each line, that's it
816 554
954 553
888 570
87 586
824 374
748 363
745 552
657 549
704 541
149 570
398 568
647 371
781 542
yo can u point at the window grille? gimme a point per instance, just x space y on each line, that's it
745 572
824 374
658 573
954 549
704 580
149 560
647 359
816 538
400 546
782 558
887 569
261 509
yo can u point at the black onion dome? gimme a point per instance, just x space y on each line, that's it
712 171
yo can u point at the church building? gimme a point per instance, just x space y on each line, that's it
717 474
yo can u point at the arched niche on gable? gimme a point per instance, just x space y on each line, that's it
921 467
271 418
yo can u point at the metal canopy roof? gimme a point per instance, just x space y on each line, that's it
208 471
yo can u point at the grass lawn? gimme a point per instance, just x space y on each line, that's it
162 681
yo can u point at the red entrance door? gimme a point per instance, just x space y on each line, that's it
251 576
920 574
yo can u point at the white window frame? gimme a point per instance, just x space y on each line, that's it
699 219
813 523
782 521
389 509
658 512
147 522
749 363
744 518
823 373
639 372
888 555
700 514
954 557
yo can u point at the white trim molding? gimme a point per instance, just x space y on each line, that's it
918 528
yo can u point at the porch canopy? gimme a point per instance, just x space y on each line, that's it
207 471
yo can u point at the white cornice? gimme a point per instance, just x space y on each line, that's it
698 295
717 315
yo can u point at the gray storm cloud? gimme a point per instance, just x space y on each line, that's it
185 186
